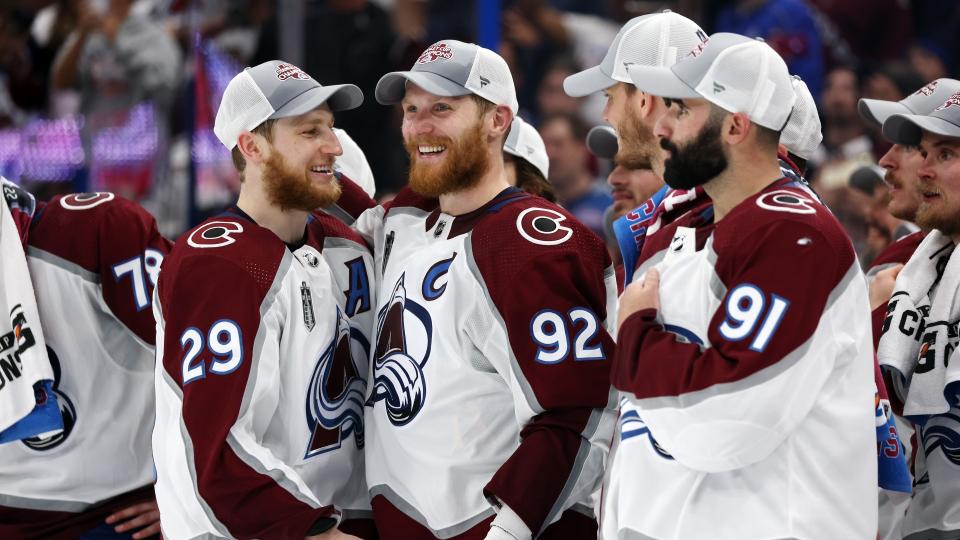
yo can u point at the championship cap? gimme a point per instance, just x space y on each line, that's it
275 89
735 73
801 136
453 68
923 101
602 142
908 128
655 42
524 142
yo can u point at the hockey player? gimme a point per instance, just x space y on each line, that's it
731 400
525 160
262 333
93 260
644 43
491 408
919 337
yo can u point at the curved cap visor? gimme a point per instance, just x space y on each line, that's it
602 142
908 128
877 110
339 97
587 82
660 81
392 86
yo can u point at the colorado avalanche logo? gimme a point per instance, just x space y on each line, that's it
86 201
67 411
404 338
286 71
335 396
543 226
435 52
942 432
631 425
951 101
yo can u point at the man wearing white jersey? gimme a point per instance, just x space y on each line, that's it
748 345
263 316
491 409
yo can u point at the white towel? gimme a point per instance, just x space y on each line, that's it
23 352
919 338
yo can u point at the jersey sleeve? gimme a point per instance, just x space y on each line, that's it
555 305
112 240
220 350
730 404
22 205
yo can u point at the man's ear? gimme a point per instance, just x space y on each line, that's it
250 147
501 118
737 127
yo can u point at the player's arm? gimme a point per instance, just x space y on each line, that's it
553 303
731 404
22 206
220 352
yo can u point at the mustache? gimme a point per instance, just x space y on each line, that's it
412 144
666 144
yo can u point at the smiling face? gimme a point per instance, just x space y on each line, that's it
447 140
901 163
939 184
297 171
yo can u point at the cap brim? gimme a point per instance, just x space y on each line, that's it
909 128
392 86
660 81
339 97
602 142
877 110
586 82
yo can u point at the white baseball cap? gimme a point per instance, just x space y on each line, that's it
735 73
801 136
453 68
909 128
602 142
923 101
654 41
275 89
524 142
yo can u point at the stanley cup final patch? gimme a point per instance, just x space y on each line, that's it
308 319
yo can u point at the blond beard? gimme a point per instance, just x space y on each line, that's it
638 147
292 191
463 166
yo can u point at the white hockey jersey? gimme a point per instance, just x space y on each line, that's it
491 368
93 259
261 374
749 392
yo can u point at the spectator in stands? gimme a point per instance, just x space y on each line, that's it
575 186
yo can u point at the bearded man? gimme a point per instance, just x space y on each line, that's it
261 321
491 404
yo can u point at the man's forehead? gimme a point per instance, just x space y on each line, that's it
932 140
415 93
320 114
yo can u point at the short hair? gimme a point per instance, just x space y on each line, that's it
767 137
578 127
265 130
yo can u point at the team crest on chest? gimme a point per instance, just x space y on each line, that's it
543 226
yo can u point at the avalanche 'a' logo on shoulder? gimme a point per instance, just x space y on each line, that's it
543 226
404 340
335 394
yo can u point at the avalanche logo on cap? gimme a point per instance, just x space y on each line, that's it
927 90
435 52
285 71
950 102
698 50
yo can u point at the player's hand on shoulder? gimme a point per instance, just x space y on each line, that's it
333 534
640 295
145 515
881 286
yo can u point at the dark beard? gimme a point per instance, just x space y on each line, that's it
289 190
699 161
463 166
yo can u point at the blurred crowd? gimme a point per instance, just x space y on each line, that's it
117 95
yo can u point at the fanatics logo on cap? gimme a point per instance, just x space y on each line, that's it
435 52
285 71
927 90
951 101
